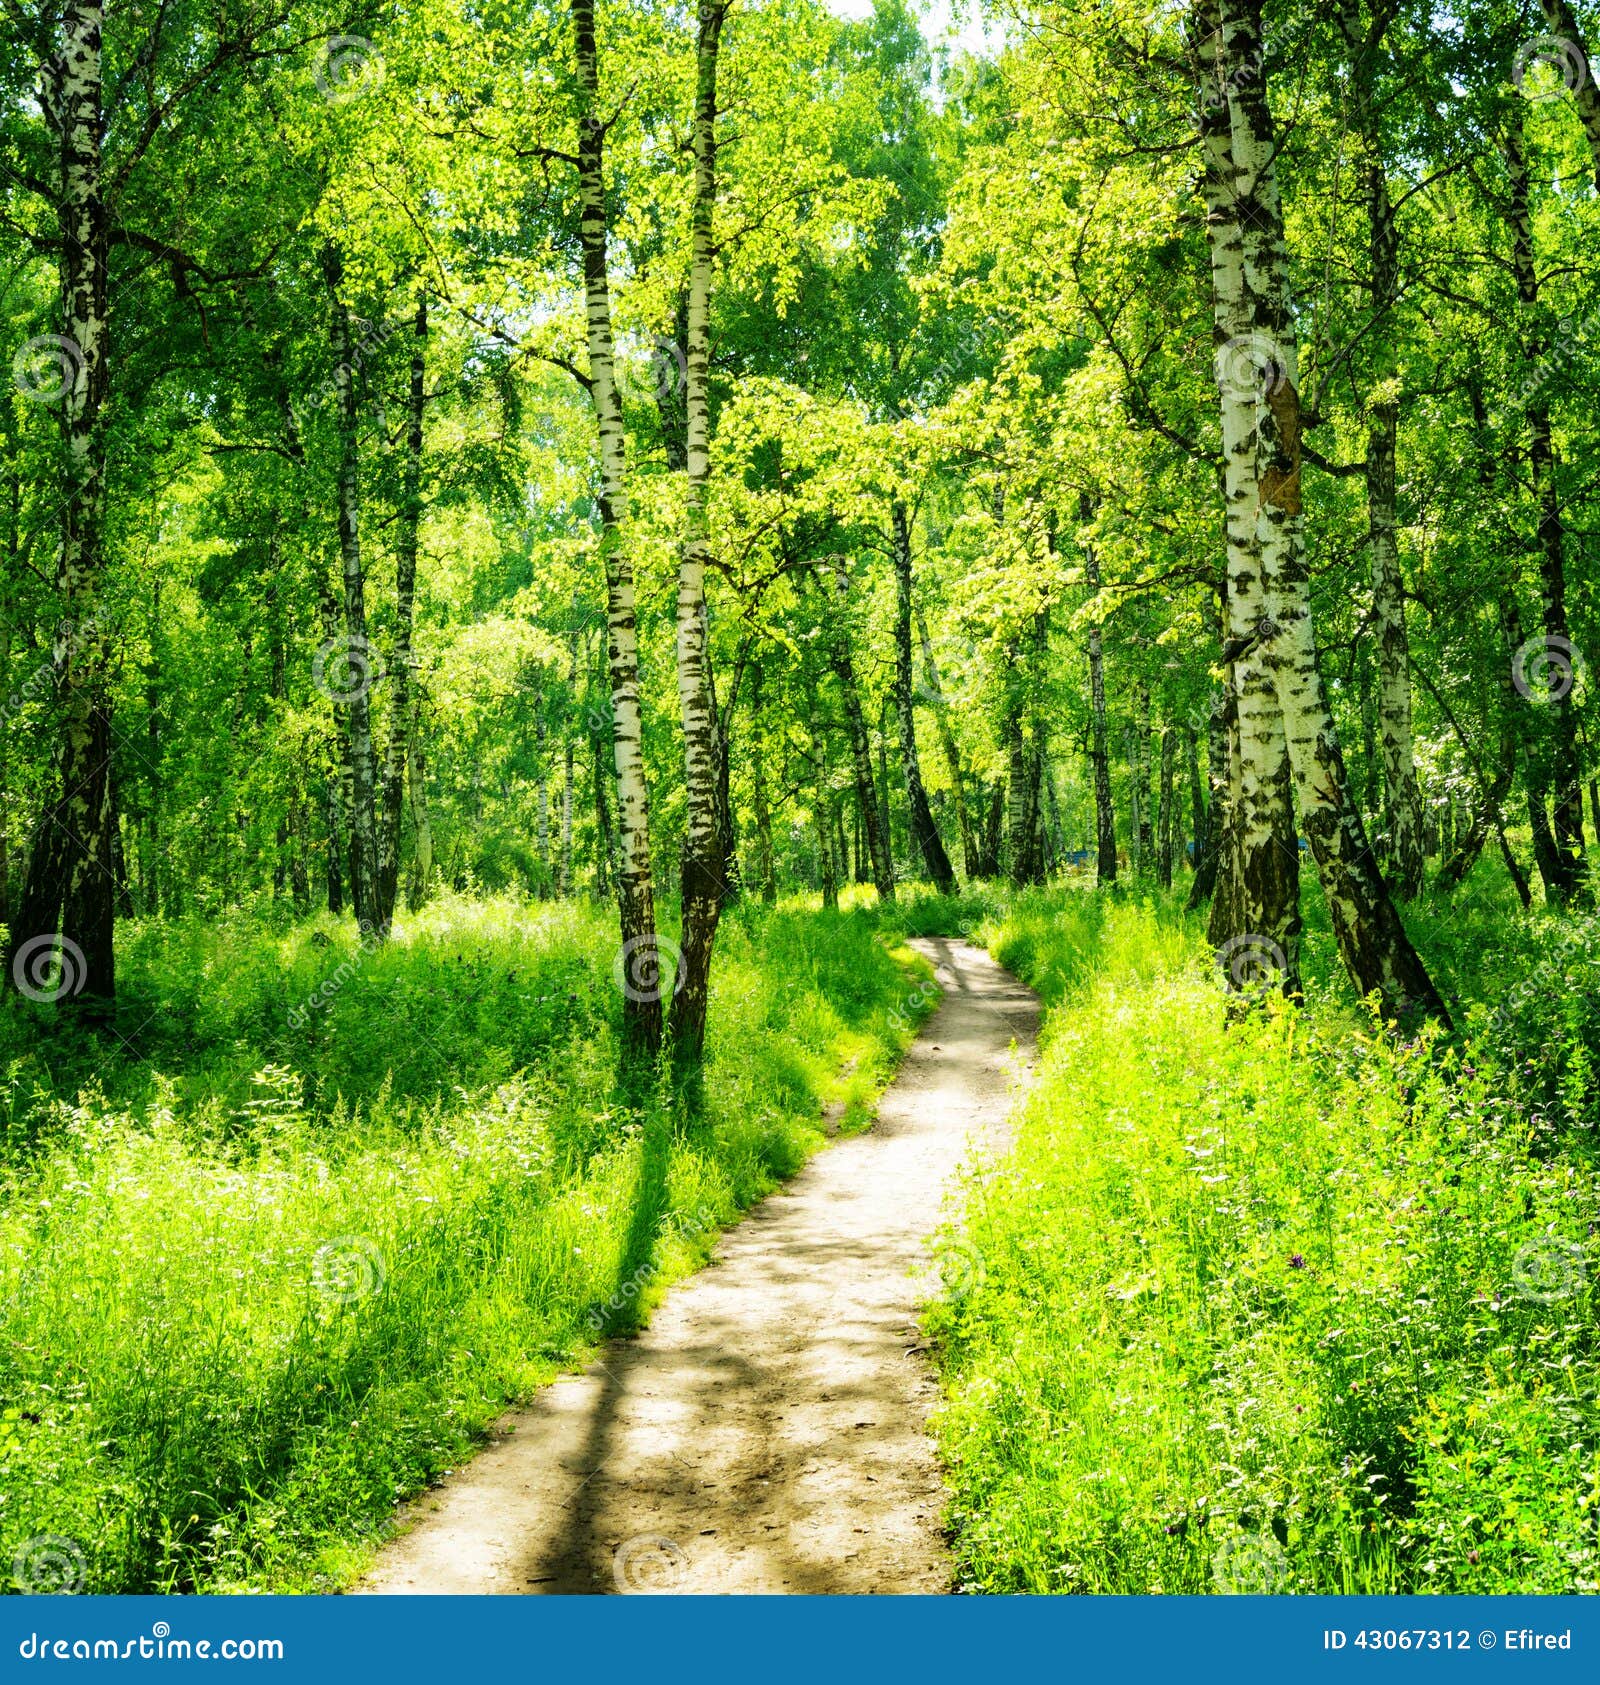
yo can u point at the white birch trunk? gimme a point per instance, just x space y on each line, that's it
635 885
1372 940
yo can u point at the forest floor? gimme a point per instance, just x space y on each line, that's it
768 1431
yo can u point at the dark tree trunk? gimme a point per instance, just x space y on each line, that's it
924 833
1558 842
397 756
356 672
704 867
934 693
1099 735
1164 820
62 932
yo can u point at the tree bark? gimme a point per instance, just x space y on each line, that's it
397 756
358 706
1402 802
1209 858
877 848
1566 879
541 789
767 874
1586 93
1099 736
642 1017
1256 908
1164 820
923 830
703 867
934 693
1372 940
63 926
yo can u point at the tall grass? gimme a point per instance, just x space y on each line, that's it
1287 1305
265 1270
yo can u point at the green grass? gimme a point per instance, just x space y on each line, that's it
265 1271
1290 1305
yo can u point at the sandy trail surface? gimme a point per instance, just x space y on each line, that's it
768 1431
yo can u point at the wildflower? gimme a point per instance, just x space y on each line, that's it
1297 1261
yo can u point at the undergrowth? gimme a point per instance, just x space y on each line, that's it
1287 1304
266 1269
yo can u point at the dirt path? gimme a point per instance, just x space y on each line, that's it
767 1431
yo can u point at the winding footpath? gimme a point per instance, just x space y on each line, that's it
768 1431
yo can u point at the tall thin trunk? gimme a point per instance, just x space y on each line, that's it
1578 72
947 743
421 885
1197 798
1105 817
989 866
1256 910
877 845
635 888
62 932
397 754
1141 771
722 769
827 820
1164 820
703 867
358 706
1135 800
1372 940
333 824
924 833
1016 751
1208 859
569 771
767 874
541 786
1401 798
1567 879
604 844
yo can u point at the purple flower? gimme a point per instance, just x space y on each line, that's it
1297 1261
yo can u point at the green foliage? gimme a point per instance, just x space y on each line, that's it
257 1283
1285 1304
